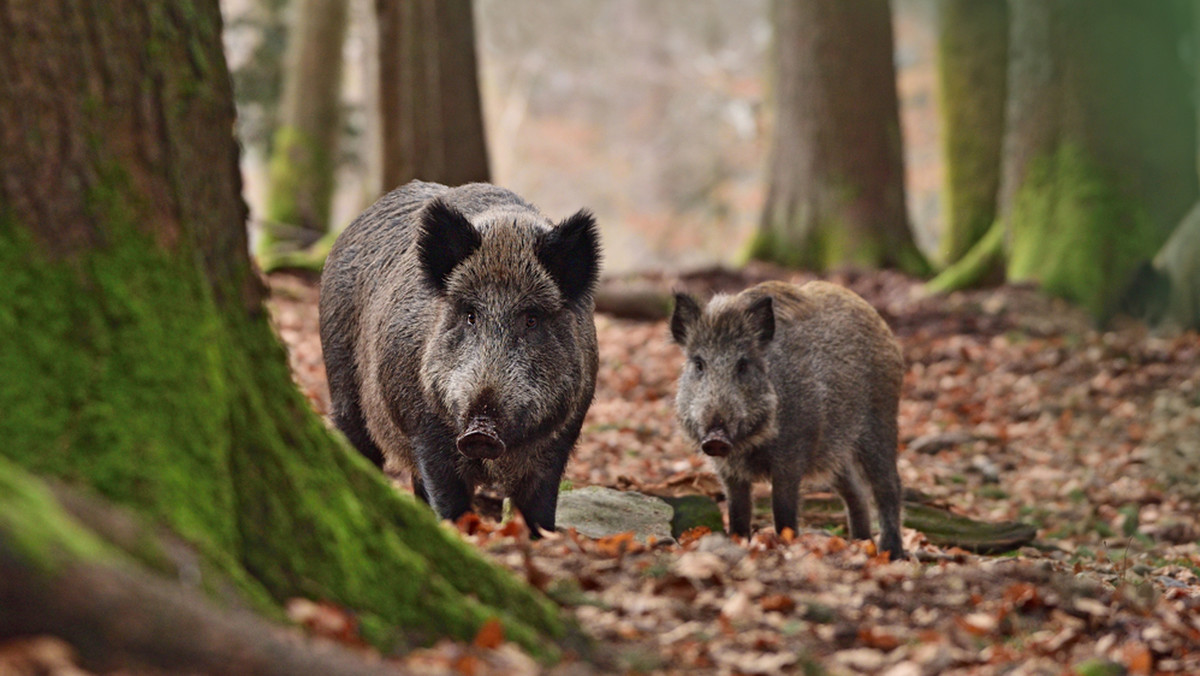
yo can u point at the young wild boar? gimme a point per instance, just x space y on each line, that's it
788 382
458 338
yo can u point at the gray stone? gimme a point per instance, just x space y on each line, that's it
596 511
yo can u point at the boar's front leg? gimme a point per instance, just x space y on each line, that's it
439 483
785 498
418 488
538 499
539 505
740 509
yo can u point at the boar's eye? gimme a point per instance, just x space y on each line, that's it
698 363
743 365
531 320
471 317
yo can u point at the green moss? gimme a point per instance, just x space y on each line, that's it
972 64
983 263
98 357
300 189
824 246
273 255
34 525
788 239
1076 233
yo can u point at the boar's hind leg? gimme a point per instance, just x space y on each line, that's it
849 485
877 458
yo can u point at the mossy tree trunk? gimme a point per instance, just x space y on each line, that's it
1100 146
304 152
972 75
136 358
835 178
429 93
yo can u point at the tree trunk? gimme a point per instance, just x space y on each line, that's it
429 93
836 180
972 75
303 161
135 354
1100 144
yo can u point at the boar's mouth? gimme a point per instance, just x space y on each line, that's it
716 443
480 440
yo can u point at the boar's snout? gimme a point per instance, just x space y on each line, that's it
716 443
480 440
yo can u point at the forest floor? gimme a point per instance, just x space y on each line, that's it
1014 408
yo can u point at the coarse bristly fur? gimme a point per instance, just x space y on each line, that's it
789 382
454 315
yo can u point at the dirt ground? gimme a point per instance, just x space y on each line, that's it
1014 408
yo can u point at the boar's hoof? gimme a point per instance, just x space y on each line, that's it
716 443
480 442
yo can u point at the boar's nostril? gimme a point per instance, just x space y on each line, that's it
716 443
480 440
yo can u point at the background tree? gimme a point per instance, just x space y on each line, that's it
304 151
1099 158
256 45
136 359
972 69
835 177
429 93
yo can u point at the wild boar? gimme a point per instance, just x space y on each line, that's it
787 382
458 335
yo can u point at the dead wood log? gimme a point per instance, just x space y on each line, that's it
116 616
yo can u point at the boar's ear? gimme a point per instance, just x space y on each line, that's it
570 252
761 314
446 239
687 311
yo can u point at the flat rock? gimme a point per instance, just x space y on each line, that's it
596 512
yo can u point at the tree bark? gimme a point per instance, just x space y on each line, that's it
972 77
304 155
429 93
835 178
1100 143
63 580
135 354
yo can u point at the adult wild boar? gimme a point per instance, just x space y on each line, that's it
785 382
459 340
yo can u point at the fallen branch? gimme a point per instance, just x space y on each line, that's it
634 302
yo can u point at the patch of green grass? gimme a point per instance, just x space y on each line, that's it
819 613
1129 524
993 492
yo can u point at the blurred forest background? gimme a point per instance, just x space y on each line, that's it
654 115
986 141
